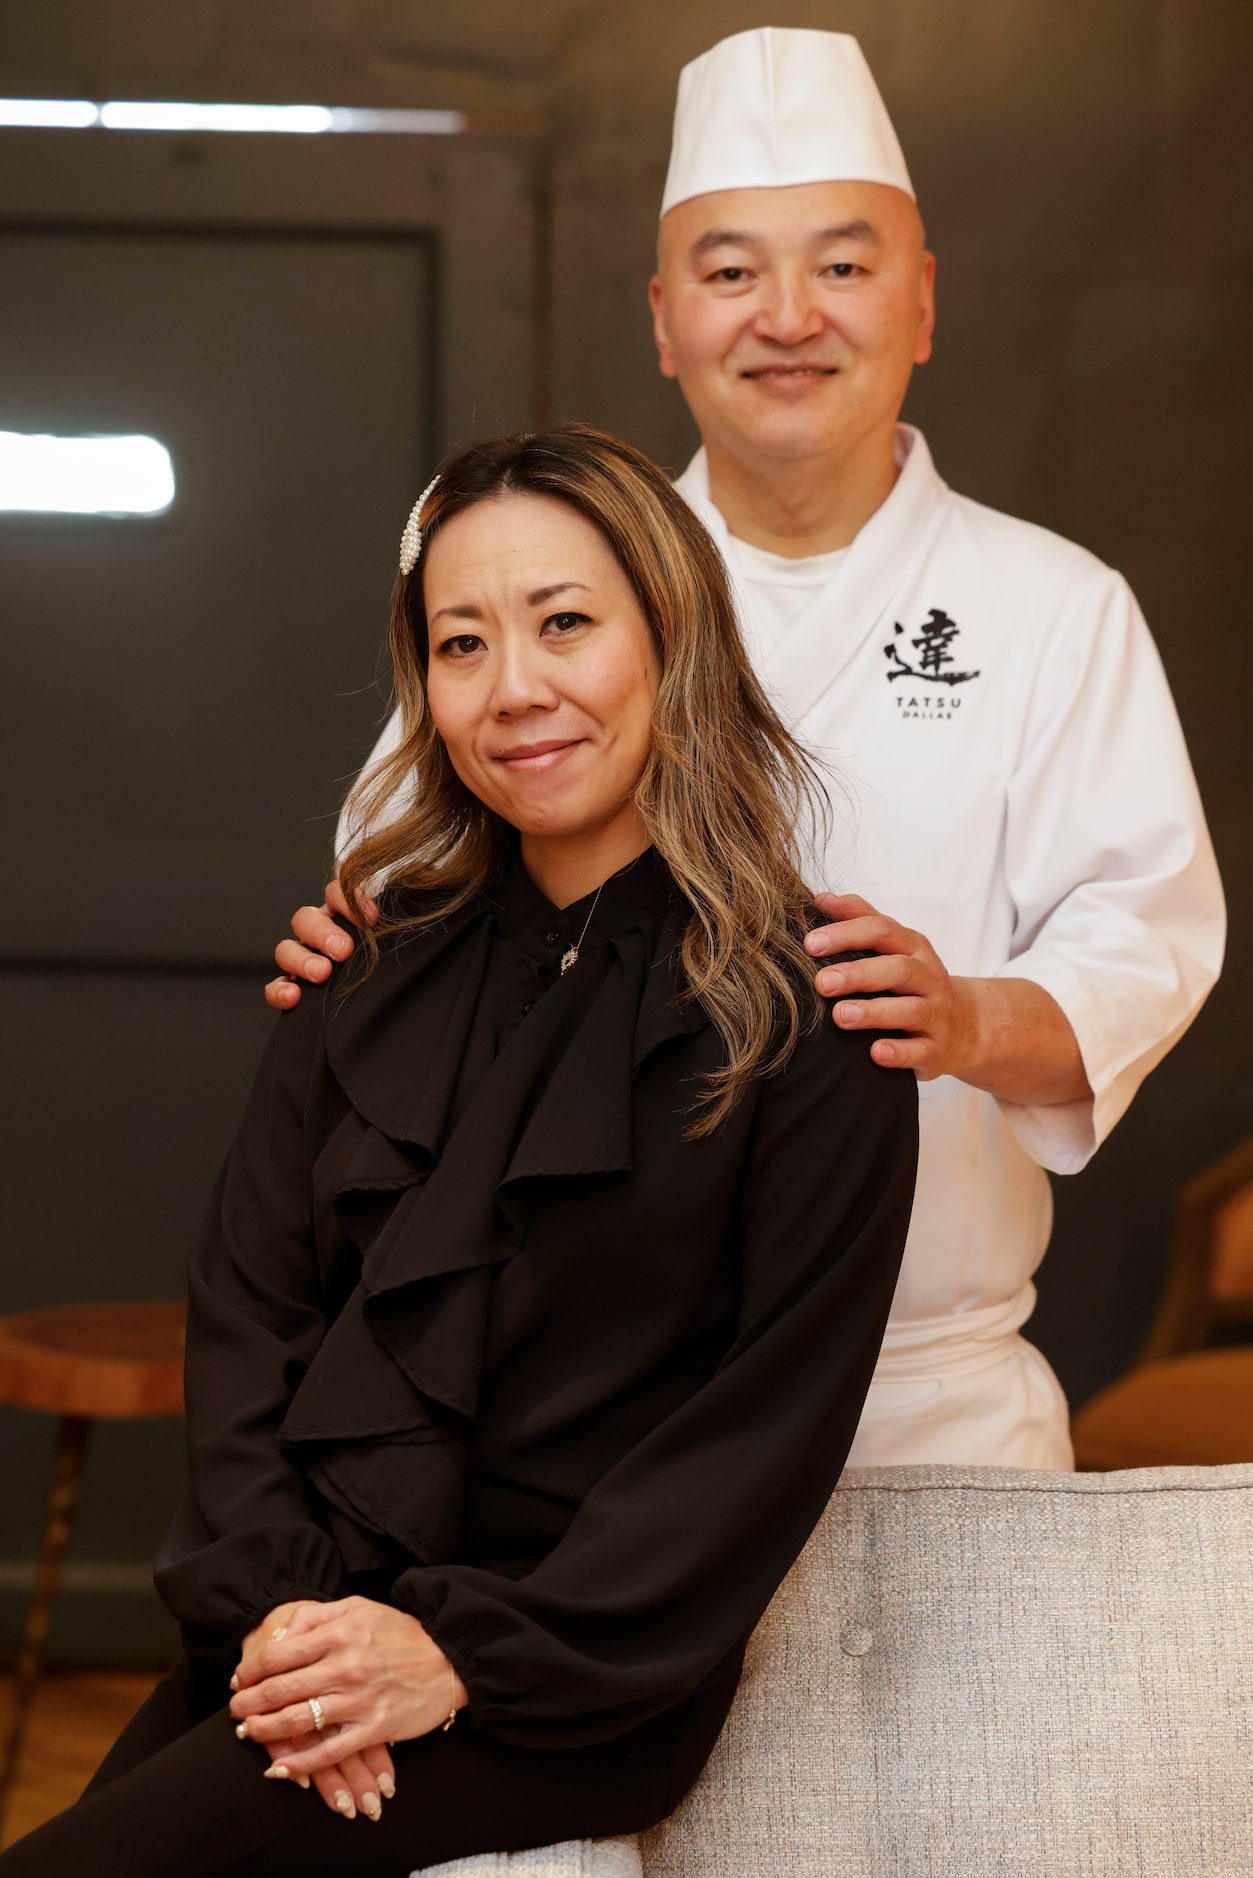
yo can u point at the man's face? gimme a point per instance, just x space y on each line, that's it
792 318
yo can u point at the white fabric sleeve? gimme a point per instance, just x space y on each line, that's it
347 831
1120 913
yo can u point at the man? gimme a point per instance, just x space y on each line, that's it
1013 800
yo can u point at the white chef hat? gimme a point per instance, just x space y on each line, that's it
780 105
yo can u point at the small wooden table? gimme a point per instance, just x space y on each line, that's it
82 1363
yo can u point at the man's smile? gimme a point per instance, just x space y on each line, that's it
784 374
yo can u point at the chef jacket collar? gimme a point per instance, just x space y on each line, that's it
883 556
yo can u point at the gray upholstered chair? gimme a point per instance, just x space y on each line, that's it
579 1858
975 1672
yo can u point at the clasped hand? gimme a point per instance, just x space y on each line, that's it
377 1676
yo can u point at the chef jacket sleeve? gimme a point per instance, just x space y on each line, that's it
1120 912
245 1538
675 1553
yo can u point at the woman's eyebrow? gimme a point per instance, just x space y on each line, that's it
467 609
546 593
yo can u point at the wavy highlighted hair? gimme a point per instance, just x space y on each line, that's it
726 795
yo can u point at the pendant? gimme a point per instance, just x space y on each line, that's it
568 959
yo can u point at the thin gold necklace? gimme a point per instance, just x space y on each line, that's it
571 956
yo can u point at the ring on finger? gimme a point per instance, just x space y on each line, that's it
315 1709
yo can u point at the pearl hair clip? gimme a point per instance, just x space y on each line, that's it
411 540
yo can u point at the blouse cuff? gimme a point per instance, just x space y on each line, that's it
222 1591
526 1687
423 1594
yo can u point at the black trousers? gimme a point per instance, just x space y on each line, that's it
179 1796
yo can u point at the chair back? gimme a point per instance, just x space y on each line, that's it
1208 1292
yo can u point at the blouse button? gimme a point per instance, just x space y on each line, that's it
856 1640
527 1008
551 938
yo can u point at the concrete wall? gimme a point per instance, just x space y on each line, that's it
1084 167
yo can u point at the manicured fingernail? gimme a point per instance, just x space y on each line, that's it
235 1684
387 1786
304 1782
850 1013
830 980
341 946
318 969
241 1729
277 1635
344 1805
372 1805
277 1772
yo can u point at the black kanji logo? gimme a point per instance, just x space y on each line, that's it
932 644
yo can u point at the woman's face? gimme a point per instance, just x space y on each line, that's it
543 670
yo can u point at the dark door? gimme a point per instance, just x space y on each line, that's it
184 697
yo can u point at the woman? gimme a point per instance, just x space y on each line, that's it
545 1279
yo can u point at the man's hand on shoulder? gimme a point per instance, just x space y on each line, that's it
904 987
318 946
1005 1035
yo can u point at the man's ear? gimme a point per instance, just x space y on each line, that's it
926 311
657 301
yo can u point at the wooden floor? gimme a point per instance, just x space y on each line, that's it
78 1715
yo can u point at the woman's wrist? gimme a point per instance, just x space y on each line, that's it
458 1697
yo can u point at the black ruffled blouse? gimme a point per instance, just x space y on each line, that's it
474 1328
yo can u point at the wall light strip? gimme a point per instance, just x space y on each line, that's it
303 119
300 119
84 475
49 113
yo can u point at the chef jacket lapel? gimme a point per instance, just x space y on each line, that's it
888 550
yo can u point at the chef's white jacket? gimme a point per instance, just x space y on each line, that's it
1009 777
